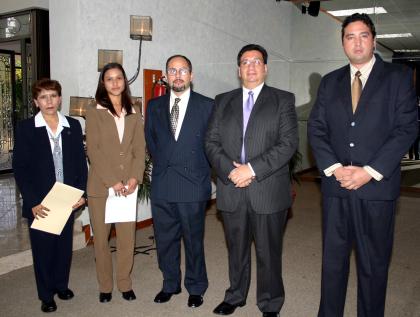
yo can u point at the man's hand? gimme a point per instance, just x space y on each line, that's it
241 175
357 178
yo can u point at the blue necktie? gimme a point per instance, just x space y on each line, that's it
247 112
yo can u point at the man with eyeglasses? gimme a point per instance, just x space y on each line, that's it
251 137
175 128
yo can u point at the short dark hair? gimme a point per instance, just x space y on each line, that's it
102 97
45 84
181 56
252 47
362 17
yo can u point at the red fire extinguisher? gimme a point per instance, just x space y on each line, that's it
159 87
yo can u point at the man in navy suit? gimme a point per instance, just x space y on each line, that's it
175 128
360 127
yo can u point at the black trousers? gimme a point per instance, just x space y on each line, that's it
369 225
52 259
171 222
241 227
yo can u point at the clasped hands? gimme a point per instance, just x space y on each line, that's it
241 175
352 177
121 190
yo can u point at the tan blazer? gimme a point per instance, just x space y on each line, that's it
111 161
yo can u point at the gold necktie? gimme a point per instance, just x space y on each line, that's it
356 90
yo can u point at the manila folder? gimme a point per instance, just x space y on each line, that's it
59 201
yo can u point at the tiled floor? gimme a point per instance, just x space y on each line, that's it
13 228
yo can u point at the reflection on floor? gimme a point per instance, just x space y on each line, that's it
13 228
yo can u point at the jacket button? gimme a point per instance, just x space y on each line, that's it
353 123
351 144
121 153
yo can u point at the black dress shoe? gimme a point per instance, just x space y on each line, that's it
129 295
226 309
105 297
163 297
270 314
195 301
48 307
65 295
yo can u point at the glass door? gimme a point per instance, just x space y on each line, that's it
7 108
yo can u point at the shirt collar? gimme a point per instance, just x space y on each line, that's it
365 69
184 97
40 121
255 90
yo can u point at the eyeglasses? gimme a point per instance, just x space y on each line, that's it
255 61
182 71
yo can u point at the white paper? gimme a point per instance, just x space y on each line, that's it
59 201
120 208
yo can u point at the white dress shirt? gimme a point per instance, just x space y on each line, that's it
119 121
365 70
182 104
62 122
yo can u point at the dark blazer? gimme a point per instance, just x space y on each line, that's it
271 139
181 171
33 164
378 134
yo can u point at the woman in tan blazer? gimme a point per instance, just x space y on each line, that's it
116 151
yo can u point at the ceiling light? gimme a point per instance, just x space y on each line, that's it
393 36
372 10
407 51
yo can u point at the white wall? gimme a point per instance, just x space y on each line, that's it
210 33
316 50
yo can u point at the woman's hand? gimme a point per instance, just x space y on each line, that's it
119 189
132 184
40 211
80 203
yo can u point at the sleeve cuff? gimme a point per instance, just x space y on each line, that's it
330 170
252 170
374 173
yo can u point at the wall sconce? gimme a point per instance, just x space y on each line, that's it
79 105
109 56
140 29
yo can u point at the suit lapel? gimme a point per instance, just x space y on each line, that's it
344 87
43 139
66 149
164 114
375 78
258 105
190 114
235 109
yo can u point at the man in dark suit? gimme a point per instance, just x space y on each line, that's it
175 127
361 125
251 137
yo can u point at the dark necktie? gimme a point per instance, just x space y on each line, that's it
175 115
247 112
356 90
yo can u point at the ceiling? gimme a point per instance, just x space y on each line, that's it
403 17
